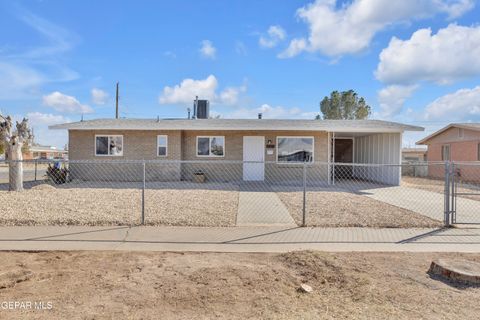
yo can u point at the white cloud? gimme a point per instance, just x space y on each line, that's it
336 30
25 68
17 81
230 96
295 47
59 39
188 89
461 105
40 122
64 103
455 9
449 55
99 96
392 99
275 34
38 118
270 112
207 50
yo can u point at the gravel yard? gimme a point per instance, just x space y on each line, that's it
94 204
327 208
161 285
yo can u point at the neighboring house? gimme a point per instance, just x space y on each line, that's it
414 154
459 142
455 142
44 153
272 150
413 160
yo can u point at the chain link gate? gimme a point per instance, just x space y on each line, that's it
462 193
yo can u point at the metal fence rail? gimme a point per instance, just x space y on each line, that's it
229 193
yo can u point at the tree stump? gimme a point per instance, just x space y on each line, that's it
458 270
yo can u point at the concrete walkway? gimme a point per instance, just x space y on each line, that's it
238 239
262 208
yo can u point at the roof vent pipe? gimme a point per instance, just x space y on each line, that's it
188 112
260 116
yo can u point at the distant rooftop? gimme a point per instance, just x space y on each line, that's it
239 124
470 126
38 148
414 150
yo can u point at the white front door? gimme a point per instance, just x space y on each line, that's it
253 158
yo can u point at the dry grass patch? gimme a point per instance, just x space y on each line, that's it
117 204
345 209
234 286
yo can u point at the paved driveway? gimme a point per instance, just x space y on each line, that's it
428 203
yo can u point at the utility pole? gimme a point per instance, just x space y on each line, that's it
116 103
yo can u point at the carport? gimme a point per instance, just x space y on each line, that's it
365 156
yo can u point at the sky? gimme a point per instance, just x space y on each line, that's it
414 61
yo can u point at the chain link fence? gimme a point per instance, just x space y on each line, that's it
235 193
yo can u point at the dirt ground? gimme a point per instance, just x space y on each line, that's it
437 185
345 209
114 285
93 205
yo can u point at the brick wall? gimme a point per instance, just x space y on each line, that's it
142 145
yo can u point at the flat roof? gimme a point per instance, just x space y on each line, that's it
239 124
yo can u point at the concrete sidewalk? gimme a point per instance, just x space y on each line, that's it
238 239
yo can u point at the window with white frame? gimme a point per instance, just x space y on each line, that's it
109 145
295 149
446 152
213 146
162 146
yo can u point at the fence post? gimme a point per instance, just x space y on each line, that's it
143 194
333 172
453 209
35 160
447 195
304 211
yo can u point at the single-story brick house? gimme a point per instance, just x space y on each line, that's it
459 142
237 149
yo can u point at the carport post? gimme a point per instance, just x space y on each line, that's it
143 195
447 195
304 211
